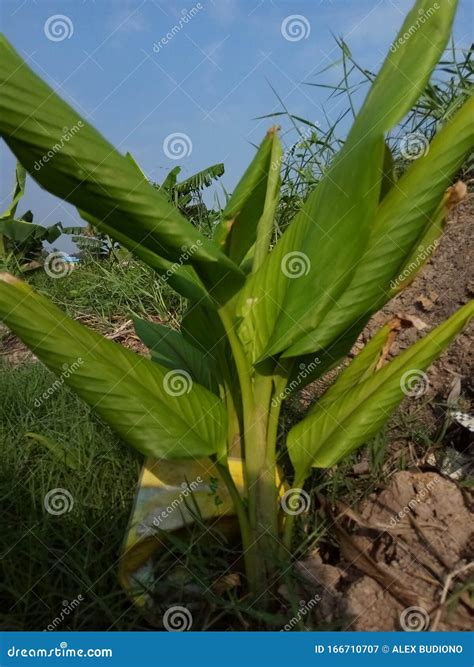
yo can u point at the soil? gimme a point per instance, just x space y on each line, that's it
443 286
411 551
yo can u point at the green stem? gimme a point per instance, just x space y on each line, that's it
248 544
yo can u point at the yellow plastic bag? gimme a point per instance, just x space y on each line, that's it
170 496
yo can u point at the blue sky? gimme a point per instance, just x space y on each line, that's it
209 81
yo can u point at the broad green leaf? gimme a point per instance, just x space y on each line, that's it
138 169
18 192
317 256
202 179
250 211
160 412
80 166
20 231
336 428
310 367
408 220
171 179
361 367
203 329
169 348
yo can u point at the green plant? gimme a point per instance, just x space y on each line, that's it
259 324
19 236
187 195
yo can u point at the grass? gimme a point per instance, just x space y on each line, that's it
47 560
111 288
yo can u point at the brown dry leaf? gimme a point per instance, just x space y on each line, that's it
455 391
226 583
425 302
455 194
411 321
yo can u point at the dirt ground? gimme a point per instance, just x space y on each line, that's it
443 285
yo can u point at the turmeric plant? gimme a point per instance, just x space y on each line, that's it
262 321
